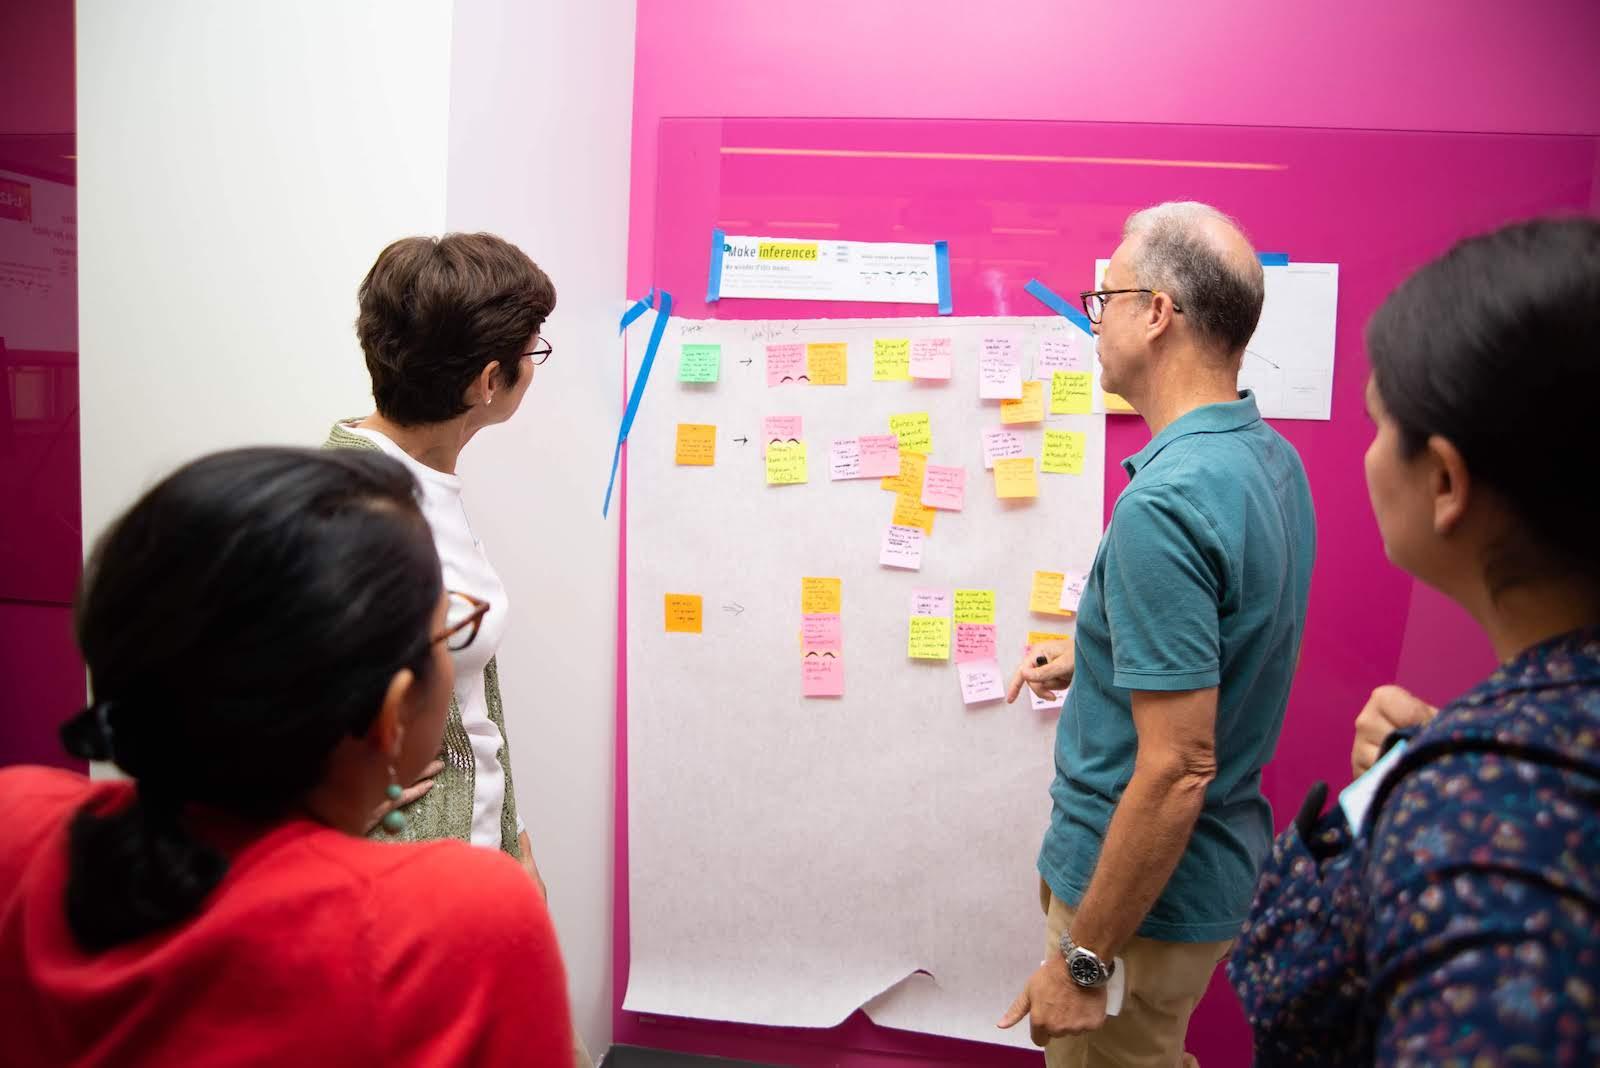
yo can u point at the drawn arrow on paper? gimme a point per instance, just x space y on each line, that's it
736 608
742 441
747 361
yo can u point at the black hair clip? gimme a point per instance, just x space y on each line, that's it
88 734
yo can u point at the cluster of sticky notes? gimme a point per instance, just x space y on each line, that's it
699 363
931 357
1063 452
1046 594
683 613
826 363
821 637
1070 393
697 445
1016 477
1039 637
1029 408
902 547
999 369
914 431
891 359
928 635
977 660
869 456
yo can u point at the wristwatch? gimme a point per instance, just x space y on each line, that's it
1084 965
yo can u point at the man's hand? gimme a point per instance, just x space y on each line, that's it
1044 680
1057 1006
1387 710
411 793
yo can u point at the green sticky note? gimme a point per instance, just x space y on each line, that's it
699 363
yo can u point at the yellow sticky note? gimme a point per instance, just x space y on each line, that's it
1063 452
929 638
909 511
915 431
1070 392
913 470
683 613
825 363
786 464
891 359
697 445
1039 637
1115 403
1016 477
1030 409
820 596
1046 595
974 606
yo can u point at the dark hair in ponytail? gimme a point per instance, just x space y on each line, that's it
1495 346
244 616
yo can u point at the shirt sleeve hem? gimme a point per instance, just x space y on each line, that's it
1167 680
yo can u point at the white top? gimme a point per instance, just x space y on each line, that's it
467 569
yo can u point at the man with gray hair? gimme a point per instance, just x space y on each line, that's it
1188 635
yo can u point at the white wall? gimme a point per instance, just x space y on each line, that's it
541 101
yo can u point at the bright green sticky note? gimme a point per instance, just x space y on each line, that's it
699 363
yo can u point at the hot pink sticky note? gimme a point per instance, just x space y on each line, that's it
780 430
976 641
844 459
1001 444
902 547
822 676
931 602
930 357
945 487
822 633
786 364
880 456
981 682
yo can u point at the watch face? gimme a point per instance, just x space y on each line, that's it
1085 972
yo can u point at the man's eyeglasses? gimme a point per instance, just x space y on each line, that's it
1094 301
463 615
541 351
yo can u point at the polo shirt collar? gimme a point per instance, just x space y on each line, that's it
1209 419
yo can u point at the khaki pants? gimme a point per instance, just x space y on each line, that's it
1165 980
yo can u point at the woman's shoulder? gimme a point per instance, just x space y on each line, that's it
35 799
342 437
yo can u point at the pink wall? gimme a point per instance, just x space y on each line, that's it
1459 66
36 72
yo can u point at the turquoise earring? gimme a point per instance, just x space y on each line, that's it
394 821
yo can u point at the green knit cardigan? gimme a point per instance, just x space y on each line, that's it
446 810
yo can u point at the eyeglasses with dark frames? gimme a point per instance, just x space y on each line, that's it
463 615
1094 301
541 350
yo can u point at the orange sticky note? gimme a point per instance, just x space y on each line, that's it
1039 637
820 596
1070 392
825 363
913 472
1046 595
1030 409
909 511
697 445
683 613
1016 477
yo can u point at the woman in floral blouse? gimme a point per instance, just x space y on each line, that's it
1468 920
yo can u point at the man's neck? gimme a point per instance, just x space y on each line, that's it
435 445
1182 382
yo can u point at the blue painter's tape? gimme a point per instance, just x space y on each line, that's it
714 283
640 306
941 261
1056 303
1273 259
649 361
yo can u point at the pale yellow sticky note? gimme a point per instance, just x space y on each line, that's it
786 464
1039 637
909 511
929 638
1016 477
891 359
825 363
1046 595
820 596
913 470
1071 392
683 613
974 606
1030 409
1063 452
697 445
915 431
1115 403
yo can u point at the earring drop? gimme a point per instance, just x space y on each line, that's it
394 821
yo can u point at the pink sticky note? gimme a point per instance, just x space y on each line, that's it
780 430
902 547
930 602
1056 354
880 456
1041 705
945 487
822 676
981 682
999 377
1001 444
930 357
1072 585
844 459
976 641
822 633
786 364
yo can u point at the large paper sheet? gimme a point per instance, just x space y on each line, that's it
794 858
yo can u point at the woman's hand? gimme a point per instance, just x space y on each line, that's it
1044 679
529 866
1387 710
411 793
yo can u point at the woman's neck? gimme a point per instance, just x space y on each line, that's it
1522 617
435 445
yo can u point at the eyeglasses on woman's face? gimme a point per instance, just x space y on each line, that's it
541 350
463 615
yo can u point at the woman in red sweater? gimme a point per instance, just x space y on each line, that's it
269 650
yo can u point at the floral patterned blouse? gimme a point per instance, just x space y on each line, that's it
1483 875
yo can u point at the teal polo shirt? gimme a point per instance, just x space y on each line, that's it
1201 580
